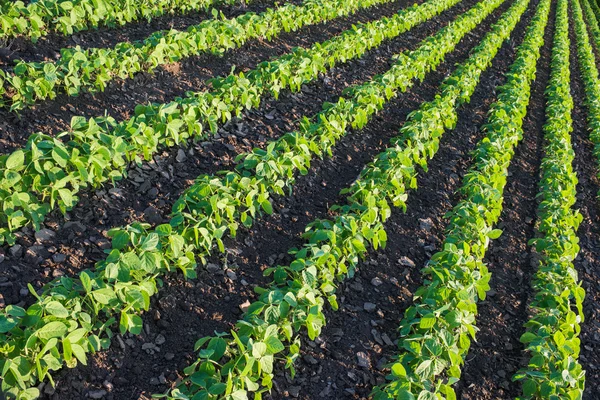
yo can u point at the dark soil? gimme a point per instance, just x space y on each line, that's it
183 311
170 316
169 81
267 243
329 368
151 189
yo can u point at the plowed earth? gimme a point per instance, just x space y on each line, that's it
352 353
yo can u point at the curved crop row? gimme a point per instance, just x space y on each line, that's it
595 8
51 171
589 73
437 330
230 368
552 333
36 18
93 68
124 282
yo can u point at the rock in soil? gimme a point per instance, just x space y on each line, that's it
406 262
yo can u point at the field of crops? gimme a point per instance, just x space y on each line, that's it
311 199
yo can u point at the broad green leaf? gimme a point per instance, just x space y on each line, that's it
495 233
57 309
104 296
86 281
55 329
274 345
150 242
529 387
266 206
16 160
528 337
258 349
398 370
425 369
120 239
427 321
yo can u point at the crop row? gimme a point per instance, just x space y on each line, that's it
234 366
93 68
437 331
35 19
551 337
50 171
124 282
589 73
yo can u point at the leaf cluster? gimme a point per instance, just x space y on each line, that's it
51 171
381 185
92 68
589 72
438 329
203 214
551 336
35 19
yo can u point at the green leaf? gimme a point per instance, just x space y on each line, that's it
398 370
427 321
239 395
290 298
217 388
60 156
55 329
6 324
537 361
120 239
426 395
529 388
112 271
16 160
148 262
258 349
104 296
124 323
136 324
547 389
150 242
219 346
57 309
86 282
79 353
66 196
274 345
266 363
495 233
17 311
528 337
266 205
163 230
425 369
76 335
559 338
405 395
29 394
